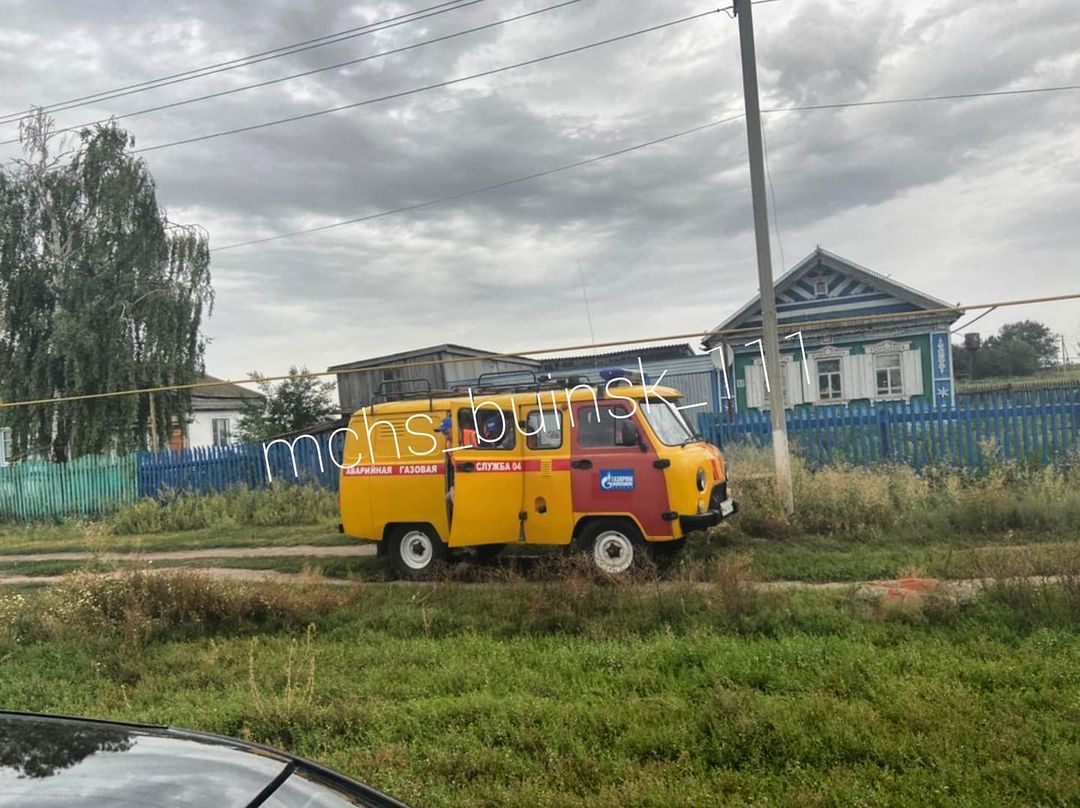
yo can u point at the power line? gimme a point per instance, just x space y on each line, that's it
920 98
337 66
427 87
860 319
772 196
581 163
484 189
245 61
971 322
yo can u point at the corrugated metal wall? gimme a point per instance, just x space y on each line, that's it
357 389
693 376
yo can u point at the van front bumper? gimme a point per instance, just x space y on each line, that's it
701 521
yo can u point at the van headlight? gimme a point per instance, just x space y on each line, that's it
701 480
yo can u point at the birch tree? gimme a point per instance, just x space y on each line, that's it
99 292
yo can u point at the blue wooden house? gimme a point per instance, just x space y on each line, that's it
901 358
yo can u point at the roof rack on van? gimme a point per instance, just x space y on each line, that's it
397 386
501 379
396 390
525 381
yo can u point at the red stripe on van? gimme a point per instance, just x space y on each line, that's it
479 466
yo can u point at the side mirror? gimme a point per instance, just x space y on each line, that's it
631 435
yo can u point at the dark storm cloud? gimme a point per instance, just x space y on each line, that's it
663 235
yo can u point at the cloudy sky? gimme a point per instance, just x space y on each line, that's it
970 201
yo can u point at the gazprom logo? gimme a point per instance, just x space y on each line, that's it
617 479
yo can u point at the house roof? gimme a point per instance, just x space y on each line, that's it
315 430
445 348
222 395
822 257
653 352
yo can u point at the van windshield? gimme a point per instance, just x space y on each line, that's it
668 423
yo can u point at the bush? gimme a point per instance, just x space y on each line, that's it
137 606
278 505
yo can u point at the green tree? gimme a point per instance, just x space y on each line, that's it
291 405
1031 332
1011 357
960 361
98 292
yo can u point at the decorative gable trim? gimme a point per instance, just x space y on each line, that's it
851 283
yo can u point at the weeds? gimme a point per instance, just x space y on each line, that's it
297 696
138 607
867 501
277 505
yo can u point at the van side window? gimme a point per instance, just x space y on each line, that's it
490 432
548 429
605 429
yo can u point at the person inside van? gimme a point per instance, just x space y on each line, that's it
489 433
490 437
468 433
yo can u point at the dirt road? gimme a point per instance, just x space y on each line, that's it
328 551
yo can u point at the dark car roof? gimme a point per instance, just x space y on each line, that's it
59 761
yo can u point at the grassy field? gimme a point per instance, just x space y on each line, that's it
1068 374
367 568
277 516
569 693
533 685
89 536
851 524
813 559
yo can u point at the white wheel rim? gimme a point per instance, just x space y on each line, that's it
613 552
416 550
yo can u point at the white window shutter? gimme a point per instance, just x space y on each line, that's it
810 391
863 372
795 382
911 362
755 387
850 384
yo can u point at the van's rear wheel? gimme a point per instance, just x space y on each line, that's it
615 548
416 551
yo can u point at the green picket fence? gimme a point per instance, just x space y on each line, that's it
89 486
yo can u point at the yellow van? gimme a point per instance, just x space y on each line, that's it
612 469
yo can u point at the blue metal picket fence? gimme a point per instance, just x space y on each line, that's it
92 486
1039 427
215 468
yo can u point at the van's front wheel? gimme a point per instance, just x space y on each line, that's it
615 548
416 551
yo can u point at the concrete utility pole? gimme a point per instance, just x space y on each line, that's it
770 340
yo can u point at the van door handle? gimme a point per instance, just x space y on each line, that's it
581 464
466 466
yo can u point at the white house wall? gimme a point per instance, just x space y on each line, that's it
857 376
201 427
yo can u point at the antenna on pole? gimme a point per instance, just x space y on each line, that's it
585 295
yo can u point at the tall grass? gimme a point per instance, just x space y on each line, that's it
138 606
262 507
867 500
